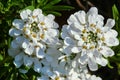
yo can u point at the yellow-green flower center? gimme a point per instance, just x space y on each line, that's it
34 27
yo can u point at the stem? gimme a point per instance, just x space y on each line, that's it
33 2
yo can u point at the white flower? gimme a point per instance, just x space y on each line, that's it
81 74
57 76
87 35
34 37
94 77
37 65
52 55
43 78
36 27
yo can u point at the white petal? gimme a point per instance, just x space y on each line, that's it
52 32
62 63
92 19
14 44
37 66
26 31
43 78
92 64
41 17
90 53
45 62
81 15
50 16
18 23
105 29
67 50
40 53
83 59
101 61
110 38
69 41
18 63
51 40
93 77
18 60
37 12
111 41
53 51
80 42
98 78
46 70
13 52
14 32
72 19
64 32
27 61
49 22
99 21
25 44
49 58
107 52
77 27
77 37
111 32
29 50
19 57
110 23
20 39
93 11
55 25
74 64
76 49
25 13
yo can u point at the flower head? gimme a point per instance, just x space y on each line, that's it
87 35
34 35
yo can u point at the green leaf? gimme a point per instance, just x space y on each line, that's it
1 6
3 71
118 54
25 77
58 8
118 66
54 9
116 16
1 57
53 2
115 12
41 3
30 7
109 65
52 12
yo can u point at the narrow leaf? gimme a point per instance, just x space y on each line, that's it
53 2
30 7
58 8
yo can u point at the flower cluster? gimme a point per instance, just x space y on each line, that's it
87 37
35 42
86 41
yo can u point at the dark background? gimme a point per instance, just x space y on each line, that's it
104 7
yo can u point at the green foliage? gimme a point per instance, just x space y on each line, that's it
9 10
116 16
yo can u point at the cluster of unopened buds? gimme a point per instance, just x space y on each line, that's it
85 42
